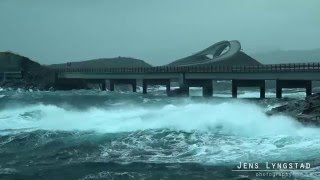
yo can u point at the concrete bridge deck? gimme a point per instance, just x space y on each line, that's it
297 75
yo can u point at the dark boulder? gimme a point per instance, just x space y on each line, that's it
306 111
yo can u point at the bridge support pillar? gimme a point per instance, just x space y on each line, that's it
184 90
183 86
144 87
134 86
263 91
309 88
146 82
111 85
248 83
168 88
278 89
207 90
103 85
234 90
307 84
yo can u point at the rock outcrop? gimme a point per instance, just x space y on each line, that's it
306 111
33 75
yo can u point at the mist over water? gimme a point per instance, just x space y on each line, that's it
105 127
233 117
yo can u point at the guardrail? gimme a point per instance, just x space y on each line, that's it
292 67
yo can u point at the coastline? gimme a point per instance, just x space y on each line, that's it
306 111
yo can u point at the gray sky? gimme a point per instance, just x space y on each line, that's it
157 31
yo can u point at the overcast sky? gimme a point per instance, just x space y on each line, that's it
157 31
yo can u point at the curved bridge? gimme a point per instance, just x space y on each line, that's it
221 51
286 76
221 61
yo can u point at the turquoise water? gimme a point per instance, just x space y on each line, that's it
89 134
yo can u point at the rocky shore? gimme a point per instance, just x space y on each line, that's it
41 79
306 111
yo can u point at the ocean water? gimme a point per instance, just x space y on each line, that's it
90 134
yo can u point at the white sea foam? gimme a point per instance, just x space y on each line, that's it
227 132
233 117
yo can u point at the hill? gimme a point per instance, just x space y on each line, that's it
36 76
104 63
33 75
10 61
292 56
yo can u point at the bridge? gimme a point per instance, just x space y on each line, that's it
292 75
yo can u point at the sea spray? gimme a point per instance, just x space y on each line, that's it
233 118
89 132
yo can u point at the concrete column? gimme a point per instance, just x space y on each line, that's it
278 89
207 90
263 91
182 80
309 88
111 85
234 90
103 85
168 88
134 85
144 86
184 87
185 90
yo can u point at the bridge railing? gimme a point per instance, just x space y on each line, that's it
290 67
